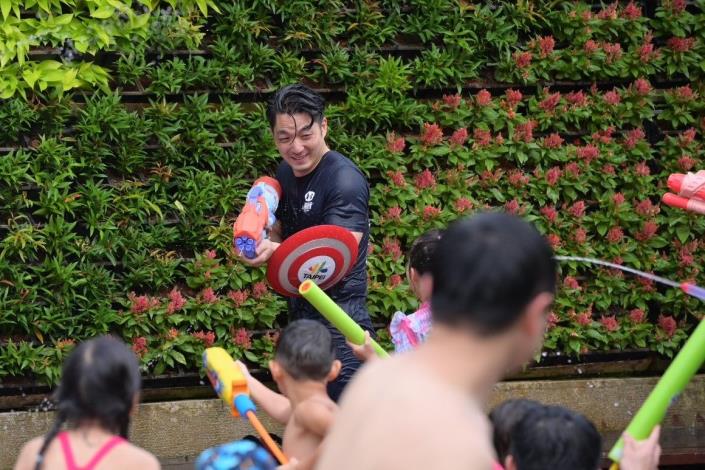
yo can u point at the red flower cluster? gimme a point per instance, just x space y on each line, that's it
569 282
513 97
646 208
613 51
553 175
425 180
680 44
259 290
634 136
242 338
577 98
517 179
397 178
525 132
604 136
395 144
394 280
546 45
431 134
618 199
615 235
573 169
580 235
392 248
642 87
481 137
647 52
647 232
554 240
239 297
172 334
430 212
588 153
393 213
684 93
687 137
676 7
637 315
609 12
585 318
590 46
610 323
551 320
452 101
668 325
462 205
642 169
142 303
513 207
139 346
209 296
686 162
631 11
612 98
608 169
550 213
552 141
522 59
207 338
549 103
176 301
459 137
210 254
577 209
483 97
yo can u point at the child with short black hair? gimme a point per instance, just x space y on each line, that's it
304 363
99 390
503 418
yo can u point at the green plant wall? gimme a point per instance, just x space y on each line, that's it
118 192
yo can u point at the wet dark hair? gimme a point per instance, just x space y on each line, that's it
422 250
487 269
305 350
555 437
504 417
295 99
99 381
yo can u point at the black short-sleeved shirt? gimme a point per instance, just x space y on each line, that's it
336 193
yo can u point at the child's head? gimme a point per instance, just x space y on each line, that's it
554 437
100 383
504 417
420 257
305 352
494 275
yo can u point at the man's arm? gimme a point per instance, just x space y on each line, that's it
266 247
316 418
347 205
274 404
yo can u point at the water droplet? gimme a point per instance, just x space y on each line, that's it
616 405
558 353
570 361
544 354
580 371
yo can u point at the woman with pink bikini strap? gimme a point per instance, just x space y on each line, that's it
99 390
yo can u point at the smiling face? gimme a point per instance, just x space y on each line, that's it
300 141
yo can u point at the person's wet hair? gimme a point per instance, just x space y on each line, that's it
305 350
296 99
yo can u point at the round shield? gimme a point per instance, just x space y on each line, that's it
323 254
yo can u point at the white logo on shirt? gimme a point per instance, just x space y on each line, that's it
308 197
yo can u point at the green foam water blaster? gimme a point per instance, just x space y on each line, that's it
336 315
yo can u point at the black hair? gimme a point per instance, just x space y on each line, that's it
305 350
487 269
555 437
504 417
422 250
99 382
295 99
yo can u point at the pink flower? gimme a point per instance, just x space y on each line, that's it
631 11
242 338
140 303
522 59
395 144
573 169
517 179
647 232
549 103
552 141
209 296
452 101
392 248
618 199
642 87
176 301
553 175
483 97
610 323
609 12
584 319
210 254
588 153
239 297
576 98
668 324
430 212
546 44
569 282
687 137
642 169
554 240
686 259
481 137
613 51
393 213
524 132
608 169
590 47
615 235
676 7
207 338
397 178
680 44
550 213
578 209
459 137
646 208
551 320
139 346
612 97
634 136
394 280
513 207
259 290
580 235
172 334
637 315
684 93
425 180
647 52
514 97
462 205
432 134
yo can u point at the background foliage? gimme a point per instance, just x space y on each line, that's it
132 131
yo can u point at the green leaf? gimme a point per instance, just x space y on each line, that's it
178 357
103 12
5 6
683 233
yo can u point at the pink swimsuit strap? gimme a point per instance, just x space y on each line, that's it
102 452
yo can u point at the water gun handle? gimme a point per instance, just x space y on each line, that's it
257 215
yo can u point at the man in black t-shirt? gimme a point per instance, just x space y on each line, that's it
319 187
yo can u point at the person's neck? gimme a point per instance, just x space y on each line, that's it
301 390
464 360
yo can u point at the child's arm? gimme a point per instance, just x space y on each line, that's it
274 404
317 418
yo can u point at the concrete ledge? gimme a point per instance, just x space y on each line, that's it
178 431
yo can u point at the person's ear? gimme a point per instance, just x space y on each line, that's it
277 371
536 315
509 463
424 286
334 370
135 404
324 127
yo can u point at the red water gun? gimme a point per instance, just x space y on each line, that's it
257 216
689 189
